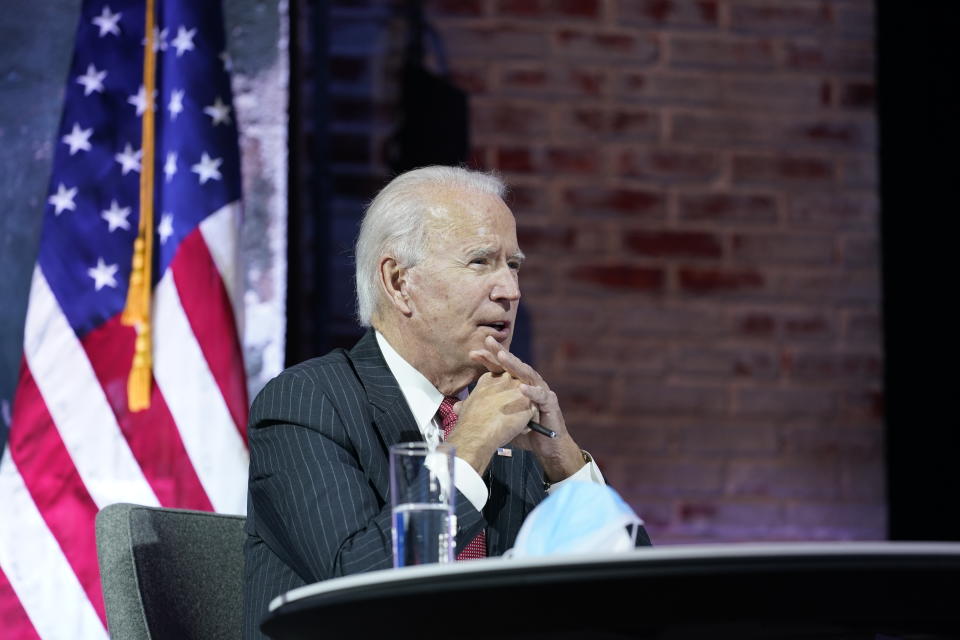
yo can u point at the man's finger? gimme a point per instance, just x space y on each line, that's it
487 359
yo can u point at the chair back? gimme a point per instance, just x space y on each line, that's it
170 573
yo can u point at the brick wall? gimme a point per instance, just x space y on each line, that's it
695 185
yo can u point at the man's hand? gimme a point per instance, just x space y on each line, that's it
491 416
559 456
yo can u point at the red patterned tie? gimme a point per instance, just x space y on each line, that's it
476 548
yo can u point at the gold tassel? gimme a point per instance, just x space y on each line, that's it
136 313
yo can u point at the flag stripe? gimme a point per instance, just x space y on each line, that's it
220 231
39 573
152 434
13 619
210 436
61 498
77 404
207 307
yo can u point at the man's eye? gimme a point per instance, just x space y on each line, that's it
514 265
479 261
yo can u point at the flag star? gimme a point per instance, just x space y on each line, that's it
165 228
207 168
159 39
103 274
226 60
140 100
108 22
170 166
92 80
129 159
78 139
176 103
63 199
184 40
116 216
219 112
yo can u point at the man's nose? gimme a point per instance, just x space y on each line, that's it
506 286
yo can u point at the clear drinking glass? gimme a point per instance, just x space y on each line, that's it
421 497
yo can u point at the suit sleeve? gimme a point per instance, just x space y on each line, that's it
313 503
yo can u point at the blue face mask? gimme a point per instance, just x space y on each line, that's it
578 517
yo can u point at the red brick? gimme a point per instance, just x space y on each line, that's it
606 45
674 89
864 403
459 8
522 198
660 322
499 119
572 160
840 520
505 40
474 79
860 171
783 248
623 277
756 324
796 477
781 17
723 129
616 124
779 94
840 134
514 159
713 280
524 78
724 436
834 210
830 57
782 170
820 366
856 21
723 362
728 208
658 399
533 79
861 250
674 244
549 8
833 439
858 95
690 477
721 52
544 239
592 201
863 327
861 286
807 326
669 164
673 13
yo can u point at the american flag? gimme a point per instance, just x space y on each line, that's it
75 445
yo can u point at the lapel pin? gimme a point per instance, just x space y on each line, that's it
506 453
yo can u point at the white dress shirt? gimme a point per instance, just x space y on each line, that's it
424 402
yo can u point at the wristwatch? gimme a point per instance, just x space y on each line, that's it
587 459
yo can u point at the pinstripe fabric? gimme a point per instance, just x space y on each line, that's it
318 503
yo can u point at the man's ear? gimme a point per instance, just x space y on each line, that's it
393 283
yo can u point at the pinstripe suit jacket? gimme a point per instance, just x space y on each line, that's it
318 503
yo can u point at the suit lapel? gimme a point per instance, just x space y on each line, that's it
391 416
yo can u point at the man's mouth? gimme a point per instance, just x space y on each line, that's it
501 329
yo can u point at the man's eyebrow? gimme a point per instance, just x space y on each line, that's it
519 256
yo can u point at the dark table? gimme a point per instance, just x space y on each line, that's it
875 591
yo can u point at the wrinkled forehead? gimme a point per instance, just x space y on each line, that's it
467 216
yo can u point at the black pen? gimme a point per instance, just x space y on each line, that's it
539 428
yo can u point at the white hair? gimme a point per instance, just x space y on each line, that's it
394 223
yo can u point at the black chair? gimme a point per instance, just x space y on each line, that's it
170 573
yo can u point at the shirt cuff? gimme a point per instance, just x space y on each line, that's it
589 472
470 484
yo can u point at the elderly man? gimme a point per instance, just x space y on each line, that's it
437 283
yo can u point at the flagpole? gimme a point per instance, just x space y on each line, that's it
136 313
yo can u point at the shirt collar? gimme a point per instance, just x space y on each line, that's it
421 396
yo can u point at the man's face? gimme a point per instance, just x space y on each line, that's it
466 287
